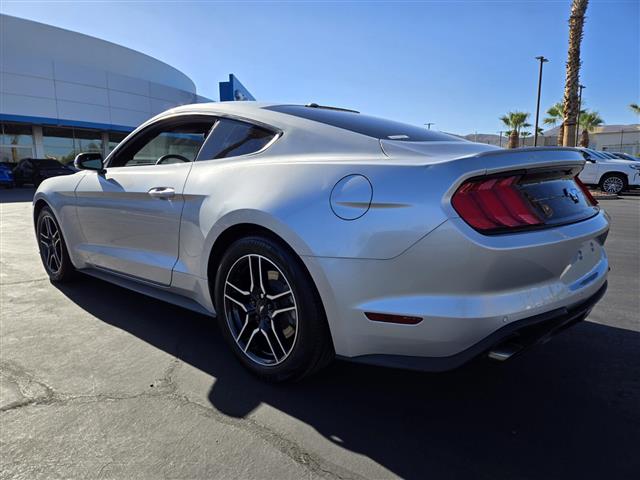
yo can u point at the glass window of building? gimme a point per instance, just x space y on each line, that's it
64 144
58 143
115 138
16 142
87 141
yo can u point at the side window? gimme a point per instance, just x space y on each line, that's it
176 141
175 147
231 138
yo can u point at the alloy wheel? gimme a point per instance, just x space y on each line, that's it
613 185
260 310
50 244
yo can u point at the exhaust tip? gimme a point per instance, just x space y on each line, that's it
504 351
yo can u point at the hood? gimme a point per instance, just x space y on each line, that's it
617 161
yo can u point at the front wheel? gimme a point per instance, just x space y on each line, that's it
269 311
613 183
53 249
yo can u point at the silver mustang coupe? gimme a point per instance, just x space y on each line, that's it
313 232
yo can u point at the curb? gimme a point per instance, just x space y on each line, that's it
604 197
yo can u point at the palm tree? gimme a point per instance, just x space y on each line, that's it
515 121
635 108
588 120
576 25
555 115
524 136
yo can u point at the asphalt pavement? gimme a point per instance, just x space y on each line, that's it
100 382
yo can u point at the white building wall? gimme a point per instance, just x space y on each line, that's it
626 139
51 73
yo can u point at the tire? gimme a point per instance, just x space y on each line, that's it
613 183
279 339
53 249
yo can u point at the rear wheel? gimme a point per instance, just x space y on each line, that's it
613 183
53 250
269 311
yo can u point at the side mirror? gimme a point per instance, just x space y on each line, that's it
89 161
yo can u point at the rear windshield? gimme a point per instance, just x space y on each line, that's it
366 125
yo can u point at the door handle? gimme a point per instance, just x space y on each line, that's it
162 192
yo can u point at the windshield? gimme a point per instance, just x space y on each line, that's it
366 125
624 156
595 154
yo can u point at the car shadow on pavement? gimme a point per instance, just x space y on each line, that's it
569 408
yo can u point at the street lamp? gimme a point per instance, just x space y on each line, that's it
542 60
500 132
579 108
428 124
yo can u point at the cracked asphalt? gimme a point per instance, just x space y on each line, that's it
98 382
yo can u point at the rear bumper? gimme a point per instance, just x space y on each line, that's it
463 285
516 337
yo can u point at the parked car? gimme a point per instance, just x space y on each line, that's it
35 170
606 154
6 175
314 232
611 175
625 156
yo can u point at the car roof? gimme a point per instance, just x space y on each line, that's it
249 109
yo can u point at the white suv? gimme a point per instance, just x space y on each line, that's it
612 175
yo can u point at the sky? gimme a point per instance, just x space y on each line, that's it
459 64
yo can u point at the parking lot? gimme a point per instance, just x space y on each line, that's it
100 382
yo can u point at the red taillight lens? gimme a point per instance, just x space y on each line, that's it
495 203
586 192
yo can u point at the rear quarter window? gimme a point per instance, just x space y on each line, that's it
232 138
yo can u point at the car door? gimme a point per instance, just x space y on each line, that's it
130 213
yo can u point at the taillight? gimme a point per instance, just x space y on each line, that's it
494 203
586 191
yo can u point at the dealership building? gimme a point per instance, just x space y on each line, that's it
63 92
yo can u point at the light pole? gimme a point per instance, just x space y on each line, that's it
542 60
579 108
428 124
500 132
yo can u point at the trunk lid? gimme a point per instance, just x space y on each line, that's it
498 188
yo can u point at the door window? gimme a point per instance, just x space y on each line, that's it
175 141
231 138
